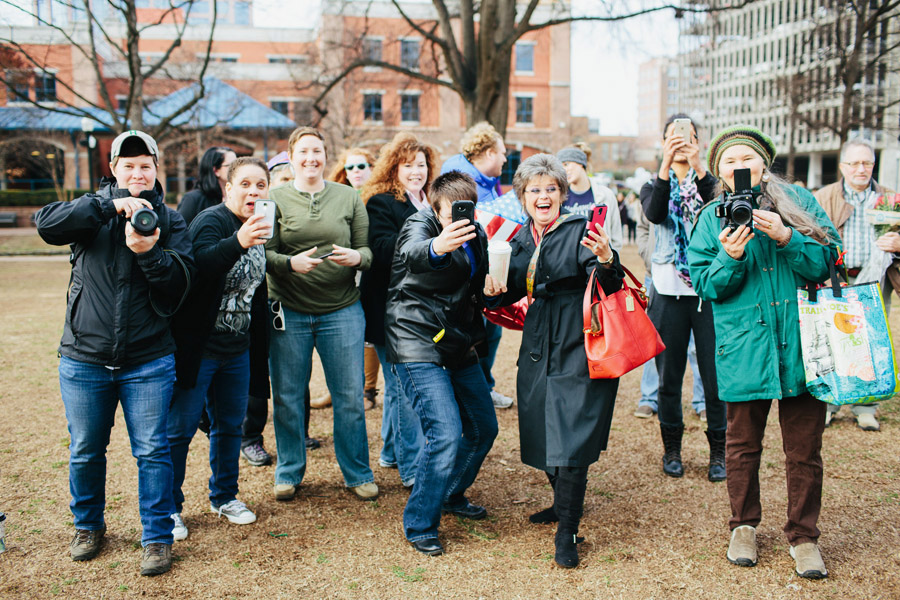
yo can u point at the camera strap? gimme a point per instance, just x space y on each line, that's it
187 287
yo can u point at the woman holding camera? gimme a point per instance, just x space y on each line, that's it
750 275
213 331
564 415
671 202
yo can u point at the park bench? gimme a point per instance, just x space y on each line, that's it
8 219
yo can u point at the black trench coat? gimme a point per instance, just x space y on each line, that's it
564 415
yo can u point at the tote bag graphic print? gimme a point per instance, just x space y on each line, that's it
847 349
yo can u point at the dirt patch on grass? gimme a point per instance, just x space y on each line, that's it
648 536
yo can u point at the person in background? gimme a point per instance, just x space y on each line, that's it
868 257
213 332
634 214
750 277
585 193
314 303
210 187
564 415
397 190
353 168
624 213
432 328
253 449
482 158
128 354
671 202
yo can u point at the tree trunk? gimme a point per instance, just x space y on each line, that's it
489 101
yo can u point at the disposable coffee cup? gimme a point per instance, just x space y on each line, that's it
498 260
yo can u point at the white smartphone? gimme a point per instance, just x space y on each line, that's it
683 128
267 209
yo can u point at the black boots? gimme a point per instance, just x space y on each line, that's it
569 503
548 515
716 455
671 437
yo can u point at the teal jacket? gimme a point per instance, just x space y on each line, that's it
754 302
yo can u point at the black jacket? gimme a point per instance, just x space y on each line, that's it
216 250
564 415
655 196
423 300
109 317
195 202
386 217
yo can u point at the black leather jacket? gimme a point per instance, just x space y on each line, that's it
109 317
424 301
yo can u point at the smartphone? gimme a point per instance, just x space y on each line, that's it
463 209
267 209
683 128
598 217
324 255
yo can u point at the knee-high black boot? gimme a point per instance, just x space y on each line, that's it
671 437
716 454
548 515
569 502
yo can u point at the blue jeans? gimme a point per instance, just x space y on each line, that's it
494 333
225 384
459 424
338 338
400 427
650 382
90 394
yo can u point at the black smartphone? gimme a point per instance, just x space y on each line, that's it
463 209
324 255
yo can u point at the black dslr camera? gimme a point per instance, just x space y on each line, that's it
737 208
144 221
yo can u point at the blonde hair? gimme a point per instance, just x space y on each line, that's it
776 197
338 173
384 178
479 138
303 131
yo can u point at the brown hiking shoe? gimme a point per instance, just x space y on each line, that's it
86 543
157 559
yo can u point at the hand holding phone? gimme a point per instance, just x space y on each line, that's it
683 128
266 208
463 209
598 218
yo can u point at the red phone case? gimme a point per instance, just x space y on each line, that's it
598 217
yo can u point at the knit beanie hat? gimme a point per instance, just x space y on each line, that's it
572 155
746 135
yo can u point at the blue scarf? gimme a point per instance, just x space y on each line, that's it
684 204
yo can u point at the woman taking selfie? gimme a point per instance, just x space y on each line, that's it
213 331
750 275
564 415
319 243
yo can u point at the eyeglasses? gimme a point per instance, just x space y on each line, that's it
278 311
359 167
868 164
550 189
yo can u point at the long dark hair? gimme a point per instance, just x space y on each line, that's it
208 182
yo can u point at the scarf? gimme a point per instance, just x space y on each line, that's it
684 204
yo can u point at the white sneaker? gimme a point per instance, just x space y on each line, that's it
180 531
501 401
235 511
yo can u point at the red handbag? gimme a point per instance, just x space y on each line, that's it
618 334
510 317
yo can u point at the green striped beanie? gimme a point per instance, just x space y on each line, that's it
746 135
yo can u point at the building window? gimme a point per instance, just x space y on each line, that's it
45 87
372 107
280 106
303 112
513 158
409 108
288 59
409 54
241 13
18 84
524 109
372 48
524 58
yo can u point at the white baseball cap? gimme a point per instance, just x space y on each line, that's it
149 142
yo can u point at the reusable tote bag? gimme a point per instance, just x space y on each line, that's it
847 350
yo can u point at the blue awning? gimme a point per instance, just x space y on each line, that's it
32 118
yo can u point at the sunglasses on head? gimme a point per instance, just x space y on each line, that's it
360 167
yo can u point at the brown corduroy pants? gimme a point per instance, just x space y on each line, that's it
802 420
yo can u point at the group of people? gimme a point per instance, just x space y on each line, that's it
190 323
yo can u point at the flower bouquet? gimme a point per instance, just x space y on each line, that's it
885 215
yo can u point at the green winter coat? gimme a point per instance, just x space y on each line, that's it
754 303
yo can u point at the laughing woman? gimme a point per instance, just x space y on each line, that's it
564 415
315 304
212 332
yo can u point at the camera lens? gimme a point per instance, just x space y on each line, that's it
741 212
144 221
